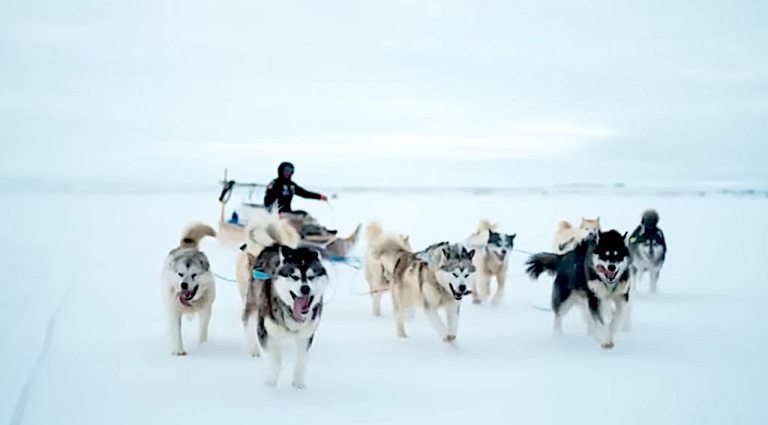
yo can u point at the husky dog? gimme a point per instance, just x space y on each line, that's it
491 260
188 285
595 272
263 229
436 278
284 301
566 237
648 249
378 282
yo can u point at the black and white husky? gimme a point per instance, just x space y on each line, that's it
595 273
284 303
648 249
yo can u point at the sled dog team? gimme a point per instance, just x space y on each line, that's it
281 285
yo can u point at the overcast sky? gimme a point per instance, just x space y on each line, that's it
384 92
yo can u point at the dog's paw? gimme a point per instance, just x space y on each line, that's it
202 341
178 353
607 345
255 353
299 385
477 301
272 383
449 338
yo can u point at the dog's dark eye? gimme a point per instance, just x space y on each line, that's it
194 275
311 277
455 274
466 276
295 277
181 274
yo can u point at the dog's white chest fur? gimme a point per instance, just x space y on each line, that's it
602 291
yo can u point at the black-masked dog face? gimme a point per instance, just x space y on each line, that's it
610 256
501 244
299 280
650 244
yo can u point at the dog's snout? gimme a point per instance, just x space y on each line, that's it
304 289
503 252
462 288
611 267
184 286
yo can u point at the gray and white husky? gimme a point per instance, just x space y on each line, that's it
648 249
188 285
491 260
284 302
434 279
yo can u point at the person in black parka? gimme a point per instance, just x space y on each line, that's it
280 191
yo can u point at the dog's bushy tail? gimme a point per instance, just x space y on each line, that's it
192 234
542 262
267 229
650 219
373 231
485 225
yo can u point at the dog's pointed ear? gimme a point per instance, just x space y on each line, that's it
406 238
285 253
314 255
470 253
442 258
204 263
624 236
598 220
513 236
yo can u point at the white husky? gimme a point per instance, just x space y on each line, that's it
188 285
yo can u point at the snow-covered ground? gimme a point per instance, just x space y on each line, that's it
83 338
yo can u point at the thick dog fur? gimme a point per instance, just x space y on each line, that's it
263 230
378 281
188 285
648 249
286 305
595 273
567 237
436 278
491 260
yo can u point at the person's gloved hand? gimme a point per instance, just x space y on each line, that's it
323 198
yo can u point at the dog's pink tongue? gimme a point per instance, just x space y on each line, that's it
300 307
609 274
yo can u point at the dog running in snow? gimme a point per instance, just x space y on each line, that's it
188 285
284 302
263 230
491 260
595 273
648 249
434 279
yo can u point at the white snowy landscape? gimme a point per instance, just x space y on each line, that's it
84 331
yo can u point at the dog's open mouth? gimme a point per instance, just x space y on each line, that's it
186 296
610 275
457 295
301 306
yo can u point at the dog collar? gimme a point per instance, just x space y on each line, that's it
260 275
